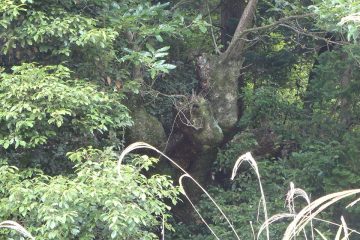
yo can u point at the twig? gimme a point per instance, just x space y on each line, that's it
179 4
217 50
241 32
313 35
274 24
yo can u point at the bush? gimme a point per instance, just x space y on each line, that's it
93 203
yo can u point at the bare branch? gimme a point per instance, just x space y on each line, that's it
217 50
236 45
312 35
274 24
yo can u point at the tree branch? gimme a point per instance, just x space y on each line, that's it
274 24
179 4
313 35
239 39
236 45
217 50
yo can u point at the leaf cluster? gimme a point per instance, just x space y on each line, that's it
93 203
38 103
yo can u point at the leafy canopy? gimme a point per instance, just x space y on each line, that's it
39 102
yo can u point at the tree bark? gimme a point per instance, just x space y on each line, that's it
226 71
211 116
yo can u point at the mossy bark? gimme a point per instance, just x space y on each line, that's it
209 118
146 128
224 93
202 127
203 124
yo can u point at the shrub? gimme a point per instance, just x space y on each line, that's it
93 203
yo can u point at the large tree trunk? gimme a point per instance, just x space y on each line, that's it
211 116
224 92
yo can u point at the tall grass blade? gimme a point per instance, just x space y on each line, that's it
252 230
17 227
247 157
142 145
321 235
291 195
346 230
309 212
338 233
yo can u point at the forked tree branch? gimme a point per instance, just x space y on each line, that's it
274 24
237 44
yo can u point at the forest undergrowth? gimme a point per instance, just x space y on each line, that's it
301 222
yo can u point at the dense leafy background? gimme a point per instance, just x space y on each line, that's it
70 71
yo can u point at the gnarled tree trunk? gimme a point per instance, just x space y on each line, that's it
213 115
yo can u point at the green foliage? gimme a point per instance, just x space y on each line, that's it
51 108
240 144
93 203
96 38
56 30
268 106
339 16
38 103
332 88
239 200
151 59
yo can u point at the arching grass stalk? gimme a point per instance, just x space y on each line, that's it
342 228
282 216
193 205
142 145
345 229
351 231
309 212
247 157
17 227
355 17
291 195
273 219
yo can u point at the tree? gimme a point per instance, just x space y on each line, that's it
291 143
62 88
183 79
